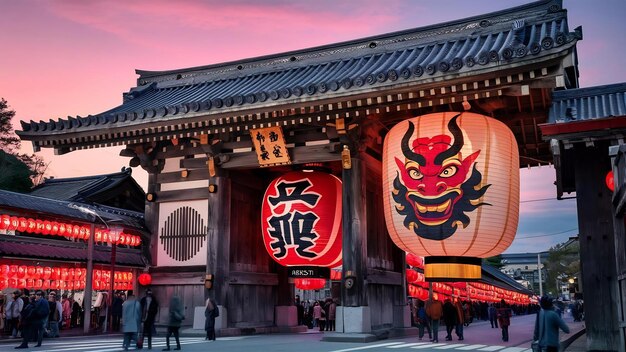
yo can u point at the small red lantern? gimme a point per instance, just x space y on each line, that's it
55 229
610 181
4 270
30 271
76 231
21 271
5 222
13 271
38 272
411 276
39 226
32 226
62 229
23 225
335 275
310 284
145 279
47 272
415 260
15 223
301 219
47 227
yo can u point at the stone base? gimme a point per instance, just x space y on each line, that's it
355 320
402 316
286 316
199 319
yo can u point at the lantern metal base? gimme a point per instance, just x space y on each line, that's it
442 268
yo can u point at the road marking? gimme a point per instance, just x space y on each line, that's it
471 347
409 345
455 345
492 348
368 347
514 349
429 345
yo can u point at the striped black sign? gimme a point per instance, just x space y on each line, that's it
183 234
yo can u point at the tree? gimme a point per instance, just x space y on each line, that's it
18 169
563 263
495 261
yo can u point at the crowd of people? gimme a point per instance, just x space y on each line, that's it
320 314
429 315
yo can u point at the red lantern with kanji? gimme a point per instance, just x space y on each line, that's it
32 226
55 228
62 229
301 219
451 190
30 271
21 271
145 279
47 272
310 284
39 226
47 227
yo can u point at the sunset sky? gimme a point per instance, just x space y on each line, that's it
72 57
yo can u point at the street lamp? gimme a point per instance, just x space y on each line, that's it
113 235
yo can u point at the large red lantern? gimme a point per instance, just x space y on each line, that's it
310 284
451 190
145 279
301 219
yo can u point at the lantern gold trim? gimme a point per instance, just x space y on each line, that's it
439 268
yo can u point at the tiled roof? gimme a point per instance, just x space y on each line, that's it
25 248
81 189
54 207
494 276
495 41
588 103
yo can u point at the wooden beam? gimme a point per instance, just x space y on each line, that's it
299 155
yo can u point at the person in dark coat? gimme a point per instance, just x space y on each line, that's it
493 315
449 318
210 313
26 319
116 311
504 319
35 319
176 317
149 309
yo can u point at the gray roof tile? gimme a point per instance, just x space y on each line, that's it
588 103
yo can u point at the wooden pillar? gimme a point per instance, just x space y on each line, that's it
597 247
618 155
151 216
218 239
354 234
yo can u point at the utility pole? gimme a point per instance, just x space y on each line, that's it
539 271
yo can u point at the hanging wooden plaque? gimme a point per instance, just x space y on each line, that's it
270 146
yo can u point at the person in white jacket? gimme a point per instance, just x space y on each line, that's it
13 310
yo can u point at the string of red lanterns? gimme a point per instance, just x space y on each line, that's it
54 228
418 288
38 277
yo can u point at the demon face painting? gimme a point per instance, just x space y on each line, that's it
435 184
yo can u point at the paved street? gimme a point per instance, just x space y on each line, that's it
479 336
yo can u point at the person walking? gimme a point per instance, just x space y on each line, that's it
54 316
67 310
149 309
423 321
332 315
547 326
449 318
14 309
26 321
460 315
210 313
177 315
434 310
493 315
504 319
131 320
34 319
116 311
